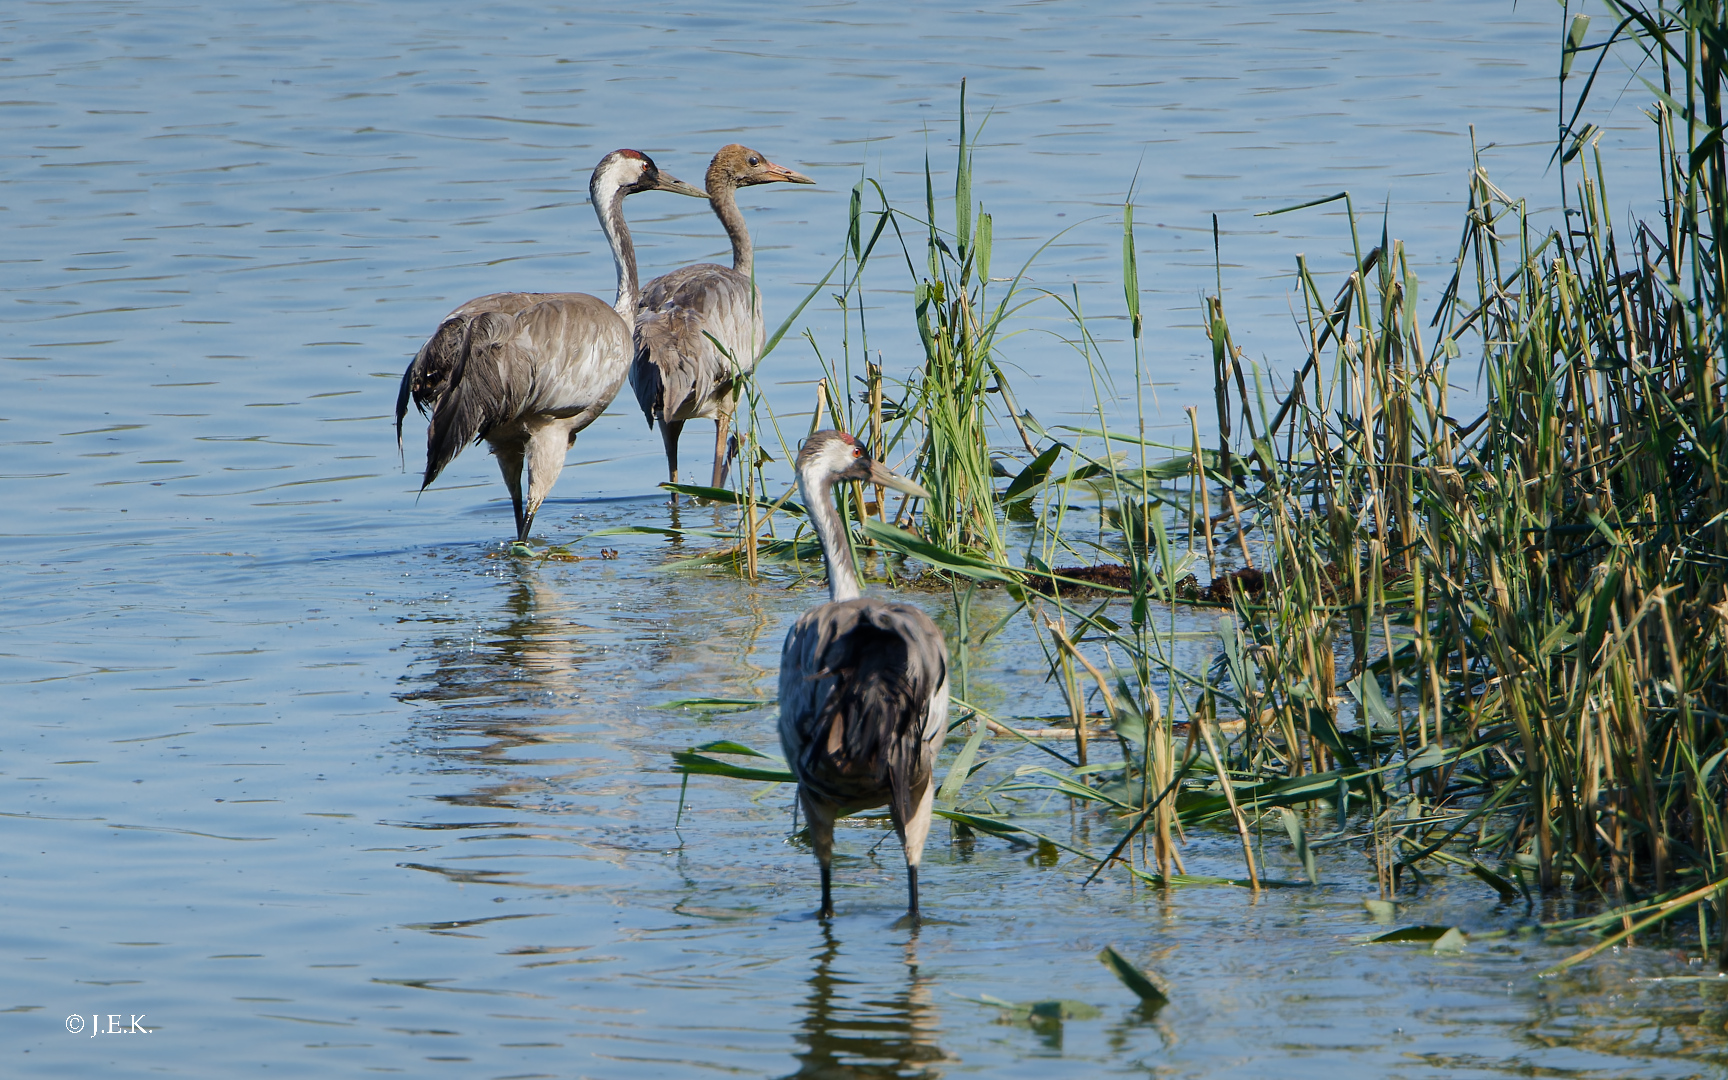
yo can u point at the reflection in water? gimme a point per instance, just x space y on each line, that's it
502 689
521 662
860 1040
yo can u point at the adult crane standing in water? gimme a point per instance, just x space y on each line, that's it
701 326
527 371
863 682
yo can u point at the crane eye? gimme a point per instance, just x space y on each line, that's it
755 162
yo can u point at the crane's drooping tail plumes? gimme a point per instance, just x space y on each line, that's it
871 724
428 376
476 394
677 370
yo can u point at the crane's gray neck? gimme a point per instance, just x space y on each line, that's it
818 494
610 211
725 203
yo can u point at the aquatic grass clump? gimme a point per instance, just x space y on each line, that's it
943 416
1534 600
1495 643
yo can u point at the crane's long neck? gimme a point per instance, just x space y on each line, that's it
818 493
723 196
610 211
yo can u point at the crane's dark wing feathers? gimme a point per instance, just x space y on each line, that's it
478 395
428 378
857 684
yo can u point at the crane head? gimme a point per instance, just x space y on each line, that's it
739 166
833 456
631 171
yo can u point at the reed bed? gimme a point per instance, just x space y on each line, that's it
1497 643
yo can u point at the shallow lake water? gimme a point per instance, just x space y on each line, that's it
299 769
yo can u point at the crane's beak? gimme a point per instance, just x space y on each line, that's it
881 476
775 172
668 182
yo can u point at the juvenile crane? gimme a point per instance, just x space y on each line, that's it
526 371
863 682
678 372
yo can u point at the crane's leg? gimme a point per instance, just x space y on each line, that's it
821 829
669 432
912 835
545 460
509 457
722 452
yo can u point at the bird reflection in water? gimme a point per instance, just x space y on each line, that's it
499 688
850 1037
522 661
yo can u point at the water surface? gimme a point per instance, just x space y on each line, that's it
301 770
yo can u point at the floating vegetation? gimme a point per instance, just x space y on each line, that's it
1151 989
1440 938
717 704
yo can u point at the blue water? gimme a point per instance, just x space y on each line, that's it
302 772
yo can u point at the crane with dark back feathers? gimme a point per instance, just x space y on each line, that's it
525 372
863 682
701 326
